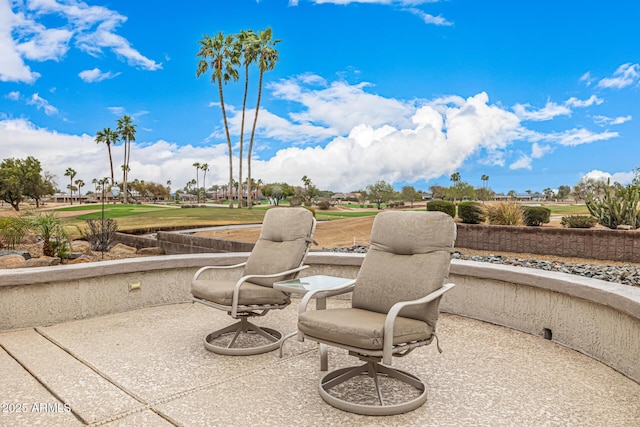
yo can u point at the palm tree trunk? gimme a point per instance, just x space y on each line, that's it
253 132
110 162
244 104
226 129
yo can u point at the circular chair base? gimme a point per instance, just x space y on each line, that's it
332 379
274 340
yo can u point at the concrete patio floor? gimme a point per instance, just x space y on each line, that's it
149 368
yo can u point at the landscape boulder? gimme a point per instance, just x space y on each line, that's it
12 261
150 251
121 248
43 261
81 246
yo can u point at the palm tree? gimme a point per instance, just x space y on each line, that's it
485 181
80 184
71 174
267 58
108 137
205 169
197 166
247 44
127 132
455 177
219 53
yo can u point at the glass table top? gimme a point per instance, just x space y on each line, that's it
311 283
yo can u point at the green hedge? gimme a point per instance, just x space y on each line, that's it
471 212
536 215
578 221
442 206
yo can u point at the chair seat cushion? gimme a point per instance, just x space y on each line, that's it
360 328
221 292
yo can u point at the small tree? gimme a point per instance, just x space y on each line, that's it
410 194
380 193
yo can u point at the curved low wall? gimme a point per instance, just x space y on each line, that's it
597 318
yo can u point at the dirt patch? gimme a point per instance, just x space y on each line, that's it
329 234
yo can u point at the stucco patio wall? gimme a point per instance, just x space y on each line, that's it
597 318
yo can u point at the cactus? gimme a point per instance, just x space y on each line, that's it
616 207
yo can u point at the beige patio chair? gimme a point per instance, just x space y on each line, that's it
277 255
394 310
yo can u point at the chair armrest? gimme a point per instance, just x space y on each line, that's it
387 344
339 290
201 270
243 279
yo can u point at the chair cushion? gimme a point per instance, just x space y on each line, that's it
221 292
359 328
284 238
409 258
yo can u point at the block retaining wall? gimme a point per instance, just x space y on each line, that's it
612 245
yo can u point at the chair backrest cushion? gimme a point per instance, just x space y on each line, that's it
409 258
284 239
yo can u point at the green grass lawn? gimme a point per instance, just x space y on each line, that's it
563 210
137 217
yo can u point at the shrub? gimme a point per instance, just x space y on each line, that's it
101 236
48 226
578 221
12 230
505 213
324 205
536 215
471 212
442 206
295 201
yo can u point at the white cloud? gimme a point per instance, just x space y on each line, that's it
620 177
575 102
92 27
12 66
428 18
574 137
550 110
538 151
407 5
96 75
610 121
340 106
14 96
524 162
344 137
42 104
626 75
587 79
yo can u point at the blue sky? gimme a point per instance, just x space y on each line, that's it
534 94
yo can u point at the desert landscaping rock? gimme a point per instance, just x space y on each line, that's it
123 249
150 251
624 274
81 246
12 261
24 254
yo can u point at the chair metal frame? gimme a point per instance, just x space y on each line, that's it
373 366
273 337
